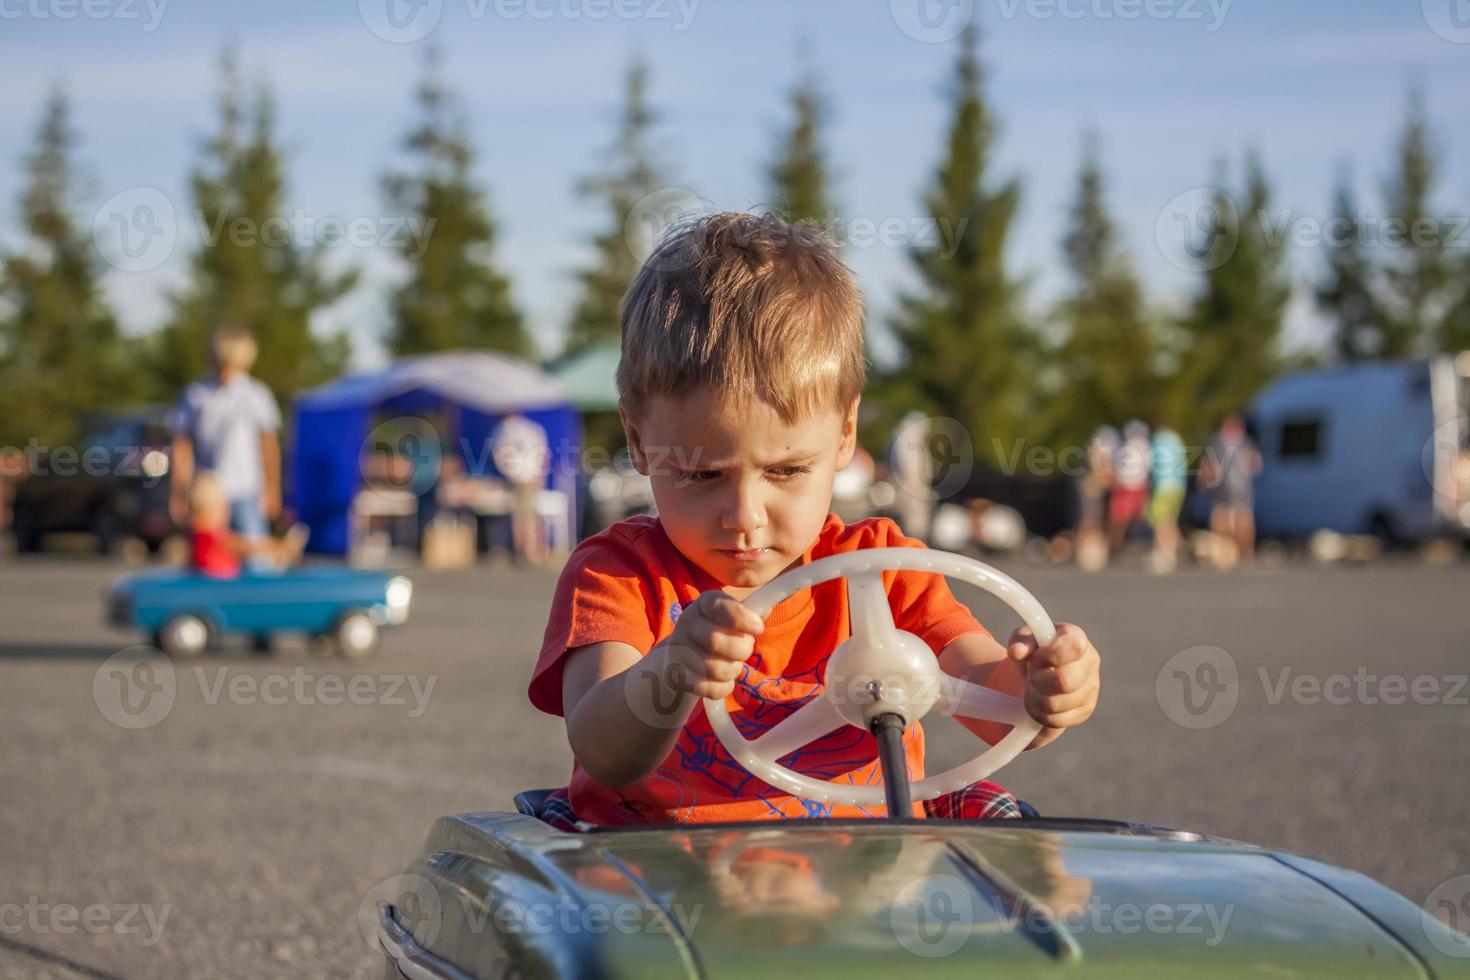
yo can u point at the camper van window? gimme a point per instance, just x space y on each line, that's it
1301 439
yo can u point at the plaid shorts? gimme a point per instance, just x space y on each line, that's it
978 801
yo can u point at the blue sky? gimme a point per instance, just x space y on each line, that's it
1170 85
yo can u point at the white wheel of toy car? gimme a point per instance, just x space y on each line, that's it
355 636
184 637
880 669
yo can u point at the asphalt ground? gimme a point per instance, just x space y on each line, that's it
236 830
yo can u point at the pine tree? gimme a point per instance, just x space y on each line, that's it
800 174
1106 360
1348 295
247 271
455 296
961 335
1231 336
61 353
631 177
1419 272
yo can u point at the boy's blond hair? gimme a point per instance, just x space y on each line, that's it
750 306
234 347
205 492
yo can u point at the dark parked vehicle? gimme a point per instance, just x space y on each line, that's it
114 485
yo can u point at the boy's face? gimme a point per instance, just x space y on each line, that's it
741 493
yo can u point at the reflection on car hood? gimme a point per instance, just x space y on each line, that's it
874 898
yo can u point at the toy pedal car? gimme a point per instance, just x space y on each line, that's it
499 894
184 613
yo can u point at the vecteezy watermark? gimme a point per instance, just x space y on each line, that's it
137 230
1200 688
1363 687
138 688
149 464
932 21
1200 229
418 907
38 917
148 12
1021 457
935 916
407 21
1450 19
1446 461
135 688
931 457
1446 917
403 453
1210 13
659 212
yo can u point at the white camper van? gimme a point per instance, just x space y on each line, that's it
1379 448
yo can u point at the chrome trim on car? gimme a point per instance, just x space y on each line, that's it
411 959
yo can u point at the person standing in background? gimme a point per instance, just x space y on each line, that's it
1234 464
913 472
1130 483
1092 543
228 425
523 457
1168 467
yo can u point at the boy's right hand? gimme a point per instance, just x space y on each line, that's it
712 639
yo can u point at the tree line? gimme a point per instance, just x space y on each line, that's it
969 347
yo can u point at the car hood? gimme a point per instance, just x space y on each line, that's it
874 898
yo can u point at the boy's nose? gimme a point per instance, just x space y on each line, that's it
744 511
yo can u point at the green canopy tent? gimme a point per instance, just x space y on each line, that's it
588 379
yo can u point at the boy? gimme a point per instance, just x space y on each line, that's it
218 550
741 372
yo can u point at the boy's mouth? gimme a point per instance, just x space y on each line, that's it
744 554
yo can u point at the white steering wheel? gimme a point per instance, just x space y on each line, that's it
880 669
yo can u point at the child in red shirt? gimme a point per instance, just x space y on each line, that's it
217 550
741 372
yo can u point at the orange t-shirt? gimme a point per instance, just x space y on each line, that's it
629 583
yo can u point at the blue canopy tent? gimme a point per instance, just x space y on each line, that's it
470 392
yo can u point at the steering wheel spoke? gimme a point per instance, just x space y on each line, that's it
967 699
867 608
804 725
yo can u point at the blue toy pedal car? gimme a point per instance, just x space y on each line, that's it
185 612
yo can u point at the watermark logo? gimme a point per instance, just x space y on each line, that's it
656 214
416 906
933 916
403 453
1198 230
1450 19
400 21
149 12
1446 462
1449 905
1198 688
931 457
1210 13
135 688
136 230
932 21
38 917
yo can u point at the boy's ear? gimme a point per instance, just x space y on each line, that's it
635 440
847 447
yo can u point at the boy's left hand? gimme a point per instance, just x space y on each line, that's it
1062 679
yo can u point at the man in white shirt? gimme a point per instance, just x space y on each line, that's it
228 425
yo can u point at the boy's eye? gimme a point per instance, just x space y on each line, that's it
779 472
